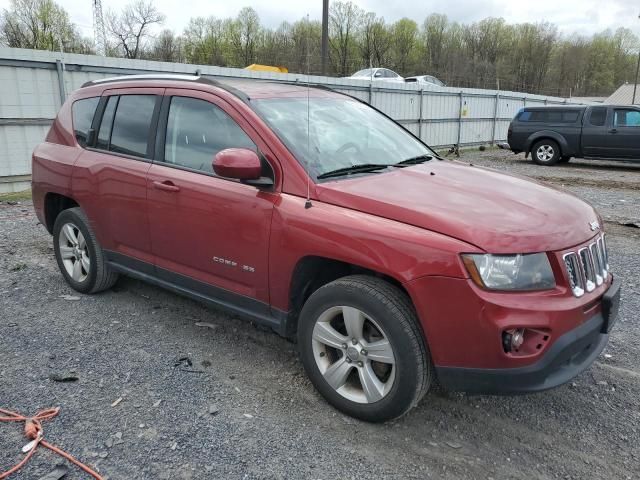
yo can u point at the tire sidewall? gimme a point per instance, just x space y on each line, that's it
402 393
70 216
556 152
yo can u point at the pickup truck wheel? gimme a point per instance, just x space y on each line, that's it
362 348
546 152
79 256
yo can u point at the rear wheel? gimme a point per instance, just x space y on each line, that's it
362 348
79 256
546 152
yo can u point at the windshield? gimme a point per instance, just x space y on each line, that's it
363 73
342 133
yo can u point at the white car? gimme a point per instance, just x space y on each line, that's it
377 74
425 79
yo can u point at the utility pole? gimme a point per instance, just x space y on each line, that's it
325 35
635 84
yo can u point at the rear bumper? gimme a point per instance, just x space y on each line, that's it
570 355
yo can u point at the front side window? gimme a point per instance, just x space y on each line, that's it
131 125
626 118
197 130
83 111
331 133
598 116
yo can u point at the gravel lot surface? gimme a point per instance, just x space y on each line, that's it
244 409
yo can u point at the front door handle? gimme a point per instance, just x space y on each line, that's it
613 130
167 186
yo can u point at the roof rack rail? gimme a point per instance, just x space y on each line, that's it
196 78
151 76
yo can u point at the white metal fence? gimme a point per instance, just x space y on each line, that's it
34 83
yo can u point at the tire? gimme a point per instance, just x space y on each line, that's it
78 253
337 366
546 152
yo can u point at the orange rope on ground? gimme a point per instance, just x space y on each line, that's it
33 431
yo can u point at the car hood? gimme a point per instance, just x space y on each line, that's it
496 212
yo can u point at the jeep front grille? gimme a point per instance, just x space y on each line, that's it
588 267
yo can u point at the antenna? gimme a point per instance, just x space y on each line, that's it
307 204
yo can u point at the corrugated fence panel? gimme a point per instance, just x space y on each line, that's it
28 93
30 96
16 144
441 106
439 134
476 132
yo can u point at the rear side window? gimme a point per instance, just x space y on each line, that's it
549 116
598 116
626 118
525 116
197 130
83 111
131 125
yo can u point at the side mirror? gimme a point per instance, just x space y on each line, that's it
377 74
239 163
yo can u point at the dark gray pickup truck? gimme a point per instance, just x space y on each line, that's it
556 133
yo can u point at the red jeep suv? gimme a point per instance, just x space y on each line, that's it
313 213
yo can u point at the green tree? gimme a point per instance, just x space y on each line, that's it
40 24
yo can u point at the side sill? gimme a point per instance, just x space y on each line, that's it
240 305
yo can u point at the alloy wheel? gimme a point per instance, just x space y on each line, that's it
545 153
353 354
74 252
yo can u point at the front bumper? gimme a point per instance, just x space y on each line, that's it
571 354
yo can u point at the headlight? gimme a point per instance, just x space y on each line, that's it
510 272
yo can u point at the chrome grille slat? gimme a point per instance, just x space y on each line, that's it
588 267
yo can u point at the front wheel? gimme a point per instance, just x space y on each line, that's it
546 152
362 348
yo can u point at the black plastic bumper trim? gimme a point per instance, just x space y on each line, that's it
570 355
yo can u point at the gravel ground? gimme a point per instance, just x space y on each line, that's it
244 408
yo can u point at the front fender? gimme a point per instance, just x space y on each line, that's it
398 250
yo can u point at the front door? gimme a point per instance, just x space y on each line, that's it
625 134
208 234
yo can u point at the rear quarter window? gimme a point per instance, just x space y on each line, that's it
83 112
549 116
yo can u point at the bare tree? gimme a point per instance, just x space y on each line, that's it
344 21
243 34
132 26
167 47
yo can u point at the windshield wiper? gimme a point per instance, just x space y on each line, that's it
414 160
360 168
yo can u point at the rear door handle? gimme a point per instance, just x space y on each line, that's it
613 130
167 186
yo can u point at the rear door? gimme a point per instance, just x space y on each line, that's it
208 233
595 133
624 136
110 177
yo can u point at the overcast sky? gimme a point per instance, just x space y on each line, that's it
571 16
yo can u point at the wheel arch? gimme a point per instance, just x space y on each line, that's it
54 204
312 272
547 135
